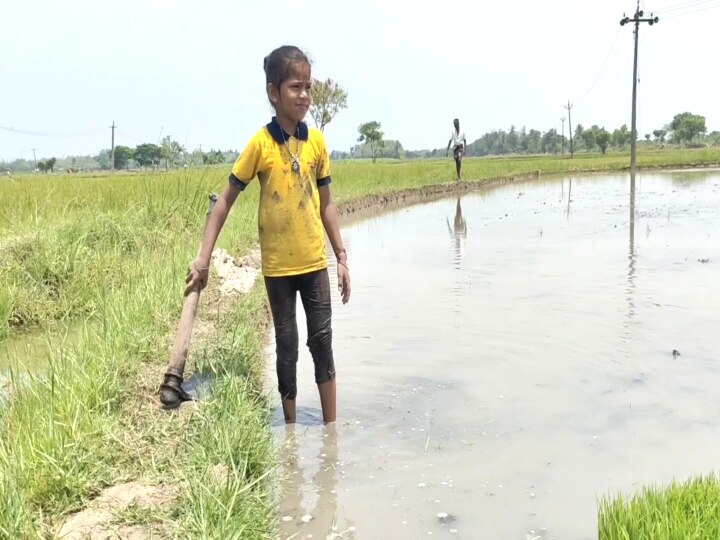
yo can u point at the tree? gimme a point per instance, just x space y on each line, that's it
370 133
171 151
602 138
534 141
549 141
588 138
148 154
42 166
50 164
103 159
512 140
123 155
659 135
328 98
578 134
621 137
213 157
686 126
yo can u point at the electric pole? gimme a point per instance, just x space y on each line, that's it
633 131
112 147
34 158
568 107
562 138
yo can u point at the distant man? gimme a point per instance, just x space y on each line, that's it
459 144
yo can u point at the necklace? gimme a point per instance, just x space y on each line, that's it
295 166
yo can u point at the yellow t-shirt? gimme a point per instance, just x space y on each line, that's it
292 236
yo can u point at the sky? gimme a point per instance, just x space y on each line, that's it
193 70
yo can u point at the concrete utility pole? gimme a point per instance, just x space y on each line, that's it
568 107
562 139
112 147
34 158
633 132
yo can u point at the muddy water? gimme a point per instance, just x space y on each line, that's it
28 352
506 360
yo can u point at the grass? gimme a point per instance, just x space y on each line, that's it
105 258
681 511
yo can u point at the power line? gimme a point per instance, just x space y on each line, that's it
683 5
46 134
617 76
684 13
134 139
602 67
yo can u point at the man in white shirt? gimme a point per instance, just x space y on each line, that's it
459 144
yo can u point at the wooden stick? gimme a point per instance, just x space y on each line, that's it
179 352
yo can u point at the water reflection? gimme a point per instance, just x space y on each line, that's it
632 259
309 508
458 232
567 399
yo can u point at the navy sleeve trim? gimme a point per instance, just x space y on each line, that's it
236 182
324 181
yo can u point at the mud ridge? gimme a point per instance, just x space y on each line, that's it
381 202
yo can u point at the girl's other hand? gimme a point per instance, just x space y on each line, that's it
343 282
197 275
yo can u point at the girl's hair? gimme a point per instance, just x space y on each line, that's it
278 63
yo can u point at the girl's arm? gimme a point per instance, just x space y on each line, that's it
199 268
328 214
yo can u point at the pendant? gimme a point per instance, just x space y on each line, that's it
295 165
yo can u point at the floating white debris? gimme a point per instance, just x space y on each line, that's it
442 516
352 529
404 522
307 518
287 518
454 531
421 485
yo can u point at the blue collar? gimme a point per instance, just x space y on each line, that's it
277 132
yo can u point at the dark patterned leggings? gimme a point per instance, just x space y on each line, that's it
314 289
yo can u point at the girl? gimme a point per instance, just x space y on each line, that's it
292 164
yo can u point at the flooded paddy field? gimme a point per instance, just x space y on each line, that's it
510 357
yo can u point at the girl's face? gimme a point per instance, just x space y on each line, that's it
292 100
